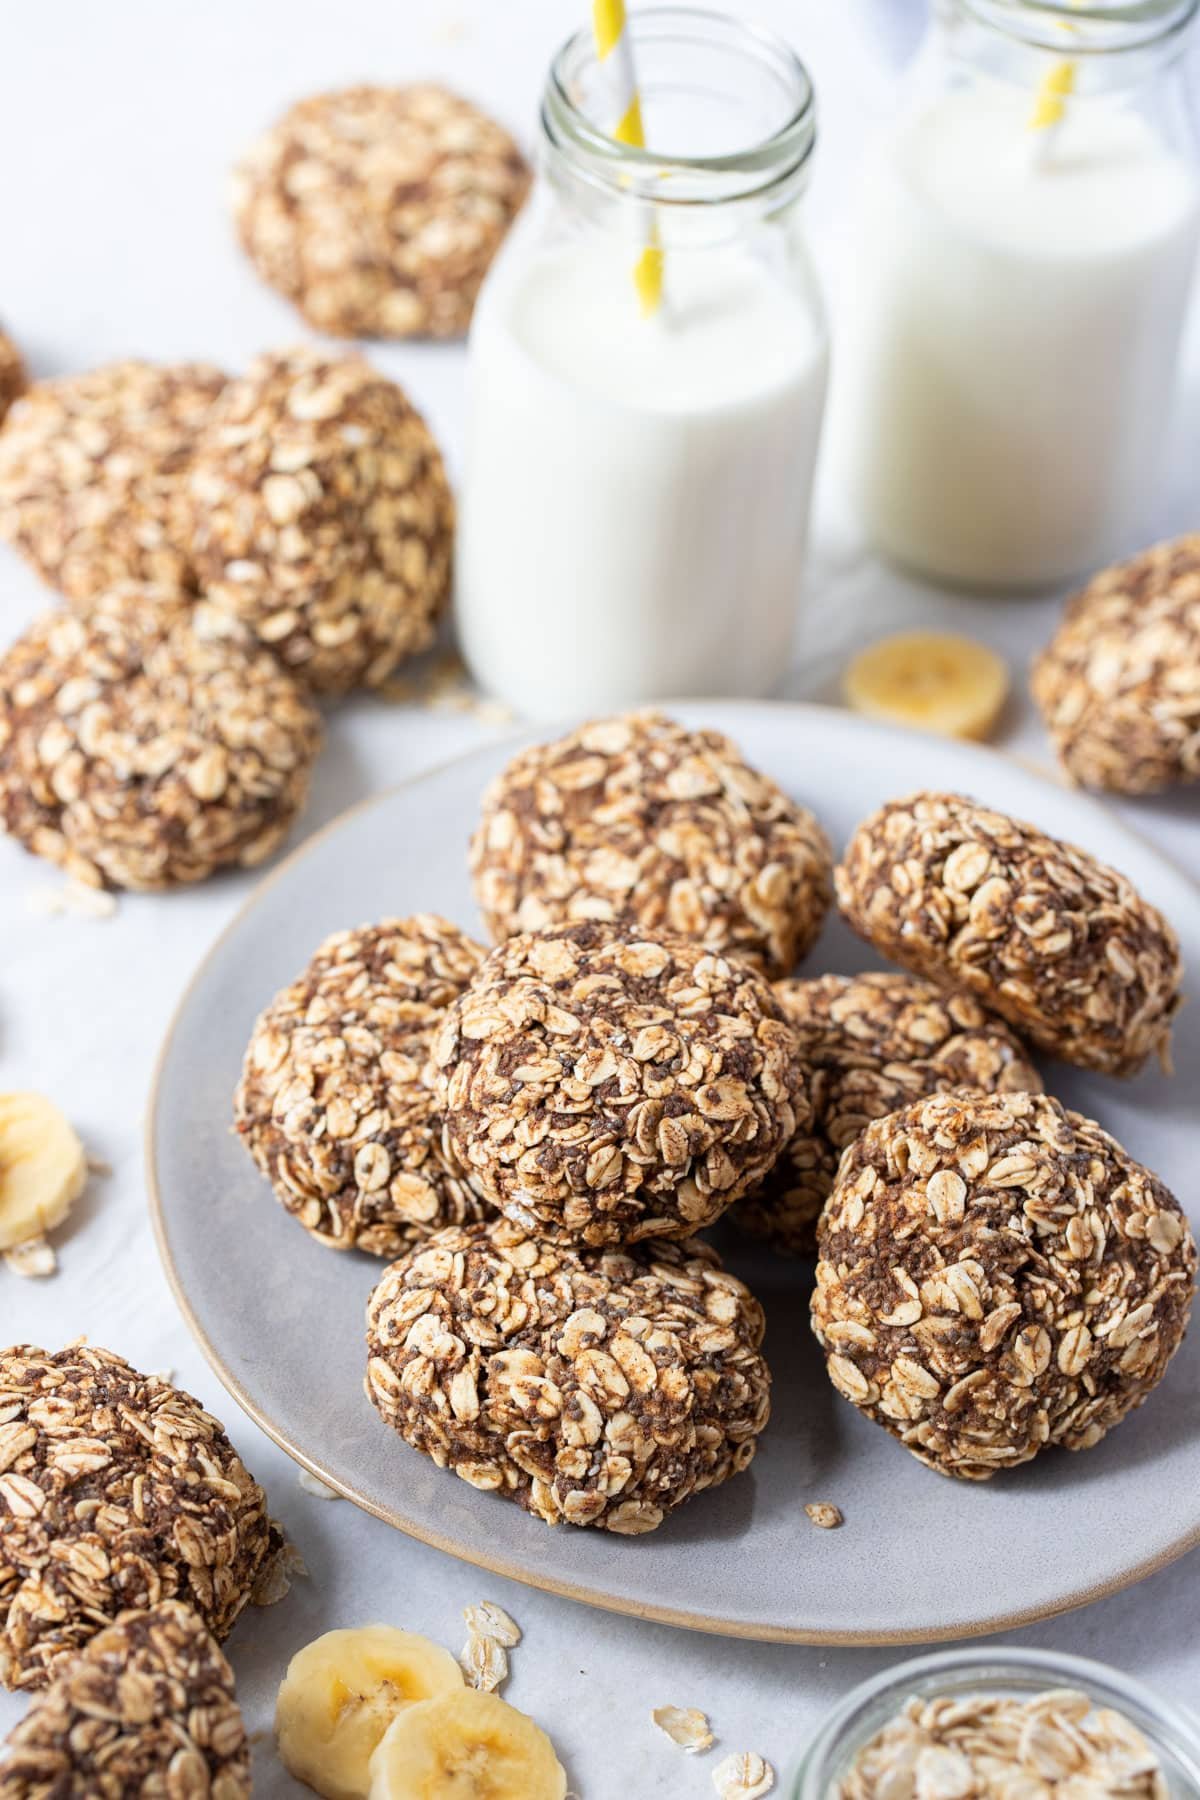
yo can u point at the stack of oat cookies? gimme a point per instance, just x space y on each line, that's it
536 1135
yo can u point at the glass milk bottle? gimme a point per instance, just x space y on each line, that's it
1024 257
636 494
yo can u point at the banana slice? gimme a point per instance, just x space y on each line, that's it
467 1746
43 1168
932 680
340 1694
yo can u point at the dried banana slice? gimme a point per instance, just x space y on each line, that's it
931 680
43 1168
341 1693
471 1745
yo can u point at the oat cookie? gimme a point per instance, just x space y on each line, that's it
137 753
91 473
996 1274
377 210
603 1387
1061 946
148 1707
322 519
610 1085
12 373
1119 684
116 1490
638 818
872 1044
335 1103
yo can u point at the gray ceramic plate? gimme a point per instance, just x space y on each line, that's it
919 1557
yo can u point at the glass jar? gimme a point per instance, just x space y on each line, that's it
636 492
1025 250
1021 1674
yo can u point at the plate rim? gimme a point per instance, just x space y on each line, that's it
681 1618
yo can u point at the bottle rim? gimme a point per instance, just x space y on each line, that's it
668 179
1170 1727
1089 28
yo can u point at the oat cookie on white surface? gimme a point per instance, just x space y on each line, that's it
377 210
638 818
321 519
91 474
1119 683
872 1043
599 1387
997 1274
148 1707
1060 945
136 752
335 1103
12 373
117 1490
608 1084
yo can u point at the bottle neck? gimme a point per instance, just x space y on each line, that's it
730 124
1111 48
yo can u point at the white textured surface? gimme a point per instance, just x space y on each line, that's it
118 124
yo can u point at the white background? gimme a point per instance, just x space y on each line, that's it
118 123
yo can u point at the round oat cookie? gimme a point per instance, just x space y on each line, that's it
996 1274
637 818
91 473
117 1490
322 520
377 210
605 1084
335 1103
148 1707
137 753
1119 684
12 373
600 1387
1061 946
872 1044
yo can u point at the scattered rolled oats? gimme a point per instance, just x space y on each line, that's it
827 1517
685 1726
273 1582
377 210
600 1387
12 373
335 1103
743 1776
1119 683
137 753
34 1260
955 1747
321 518
611 1085
1060 945
116 1491
148 1707
996 1274
312 1484
486 1619
91 473
872 1044
635 818
484 1662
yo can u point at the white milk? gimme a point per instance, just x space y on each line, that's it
636 499
1020 305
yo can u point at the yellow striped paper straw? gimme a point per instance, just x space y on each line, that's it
613 47
1055 89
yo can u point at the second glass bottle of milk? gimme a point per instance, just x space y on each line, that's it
1023 264
636 494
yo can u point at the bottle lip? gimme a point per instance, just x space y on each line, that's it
670 180
1095 27
1170 1728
